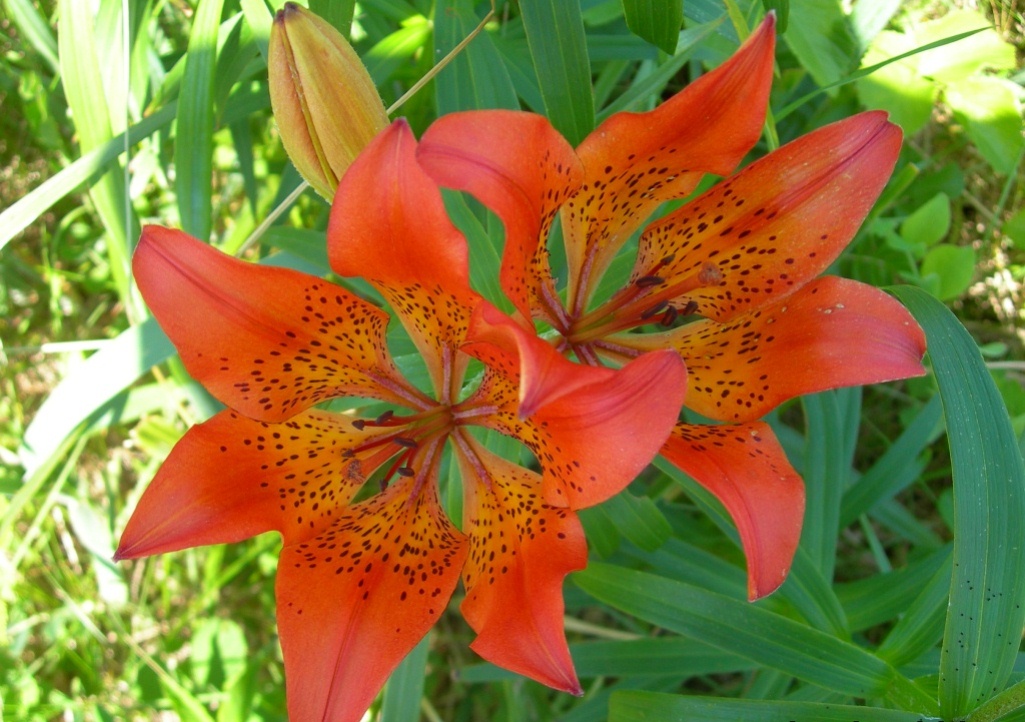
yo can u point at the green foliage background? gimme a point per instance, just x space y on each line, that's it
906 596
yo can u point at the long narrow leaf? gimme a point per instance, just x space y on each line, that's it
657 21
555 34
636 706
749 631
193 150
986 613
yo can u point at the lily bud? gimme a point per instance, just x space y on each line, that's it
326 106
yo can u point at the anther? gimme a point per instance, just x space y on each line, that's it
384 418
649 281
654 310
691 308
360 424
408 443
669 317
405 471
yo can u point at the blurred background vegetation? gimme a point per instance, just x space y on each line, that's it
90 149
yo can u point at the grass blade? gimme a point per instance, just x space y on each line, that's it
985 617
406 686
656 21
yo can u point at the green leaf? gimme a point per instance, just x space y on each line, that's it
657 21
897 87
989 109
639 520
820 37
87 98
978 51
337 12
638 706
194 134
476 78
953 268
930 222
555 35
406 686
749 631
35 29
826 470
920 627
897 468
986 615
87 168
89 386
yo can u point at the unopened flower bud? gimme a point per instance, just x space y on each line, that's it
326 106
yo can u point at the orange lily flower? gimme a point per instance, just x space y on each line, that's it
727 280
368 567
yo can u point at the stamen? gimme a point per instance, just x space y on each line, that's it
669 317
360 424
691 308
384 418
408 443
649 281
654 310
406 471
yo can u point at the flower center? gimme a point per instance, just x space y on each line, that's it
401 437
650 299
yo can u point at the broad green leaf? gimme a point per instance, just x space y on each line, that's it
979 51
89 386
819 35
930 222
986 615
898 87
193 149
952 267
869 18
260 20
406 686
638 706
1014 229
657 21
476 78
388 55
991 114
555 34
751 632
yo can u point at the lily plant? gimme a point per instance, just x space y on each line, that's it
724 315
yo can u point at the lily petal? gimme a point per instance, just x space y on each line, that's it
519 166
593 429
634 161
356 599
231 478
775 225
521 549
389 225
832 333
745 468
268 342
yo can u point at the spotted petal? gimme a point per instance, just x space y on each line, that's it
593 429
634 161
389 225
356 599
268 342
745 468
775 225
231 478
519 166
832 333
521 549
